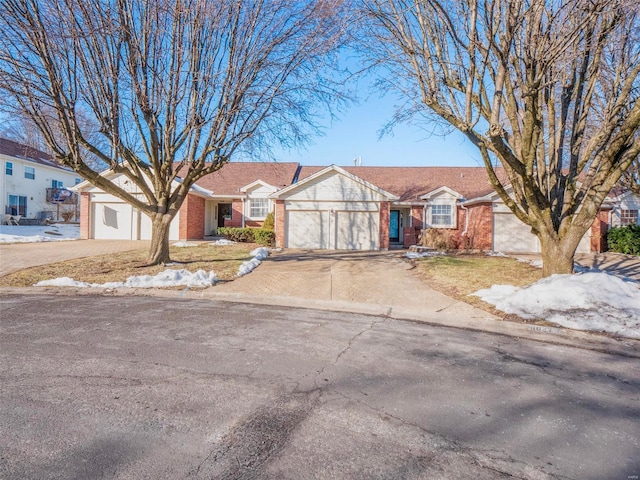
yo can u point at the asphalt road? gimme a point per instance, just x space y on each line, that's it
137 387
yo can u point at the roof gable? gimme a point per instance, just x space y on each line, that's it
328 172
24 152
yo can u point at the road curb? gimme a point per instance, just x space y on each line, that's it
459 315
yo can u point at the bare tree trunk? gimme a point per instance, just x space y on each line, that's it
557 254
159 251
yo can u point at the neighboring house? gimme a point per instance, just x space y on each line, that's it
625 209
350 208
33 186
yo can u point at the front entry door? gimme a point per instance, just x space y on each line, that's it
394 226
224 212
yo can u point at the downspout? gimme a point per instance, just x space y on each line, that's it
466 220
244 213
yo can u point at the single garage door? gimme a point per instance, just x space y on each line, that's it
357 230
112 221
512 236
337 230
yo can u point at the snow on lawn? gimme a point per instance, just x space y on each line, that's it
37 233
593 301
168 278
258 255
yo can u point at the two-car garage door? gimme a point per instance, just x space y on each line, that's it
333 229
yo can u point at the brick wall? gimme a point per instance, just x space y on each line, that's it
599 230
236 214
385 209
85 207
279 222
416 216
192 216
479 235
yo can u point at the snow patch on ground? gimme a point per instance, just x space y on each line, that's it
184 244
258 255
223 242
414 255
39 233
168 278
594 301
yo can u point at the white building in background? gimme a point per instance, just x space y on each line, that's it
33 186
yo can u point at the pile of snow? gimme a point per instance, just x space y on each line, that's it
491 253
223 242
412 255
593 301
39 233
184 244
168 278
537 263
258 255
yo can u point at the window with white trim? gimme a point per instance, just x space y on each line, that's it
30 173
8 168
17 205
628 217
258 207
56 184
442 215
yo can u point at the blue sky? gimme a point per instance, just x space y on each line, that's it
355 133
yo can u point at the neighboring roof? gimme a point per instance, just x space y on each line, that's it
24 152
230 179
410 183
342 171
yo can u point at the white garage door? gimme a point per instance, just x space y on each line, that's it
510 235
357 230
308 229
341 230
112 221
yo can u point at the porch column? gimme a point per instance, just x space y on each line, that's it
85 219
278 222
385 214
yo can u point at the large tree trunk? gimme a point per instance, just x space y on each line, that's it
159 251
557 254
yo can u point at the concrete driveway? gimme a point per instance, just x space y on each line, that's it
16 256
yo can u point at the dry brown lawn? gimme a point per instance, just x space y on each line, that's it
223 260
460 275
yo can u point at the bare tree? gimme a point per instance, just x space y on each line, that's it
631 177
547 90
177 87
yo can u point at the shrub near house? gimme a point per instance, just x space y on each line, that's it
624 239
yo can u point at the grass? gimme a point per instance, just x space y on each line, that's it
223 260
460 275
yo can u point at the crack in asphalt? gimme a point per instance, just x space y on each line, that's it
359 334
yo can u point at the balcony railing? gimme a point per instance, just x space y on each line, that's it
61 196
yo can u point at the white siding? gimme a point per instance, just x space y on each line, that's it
334 187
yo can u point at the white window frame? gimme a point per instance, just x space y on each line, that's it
256 211
628 216
57 184
433 215
17 205
29 172
8 168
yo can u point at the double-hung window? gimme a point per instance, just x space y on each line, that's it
441 216
30 173
258 207
56 184
628 217
8 168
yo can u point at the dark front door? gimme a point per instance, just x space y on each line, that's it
394 226
224 213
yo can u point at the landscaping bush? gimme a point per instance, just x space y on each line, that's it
248 235
264 237
269 222
624 239
237 234
439 239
